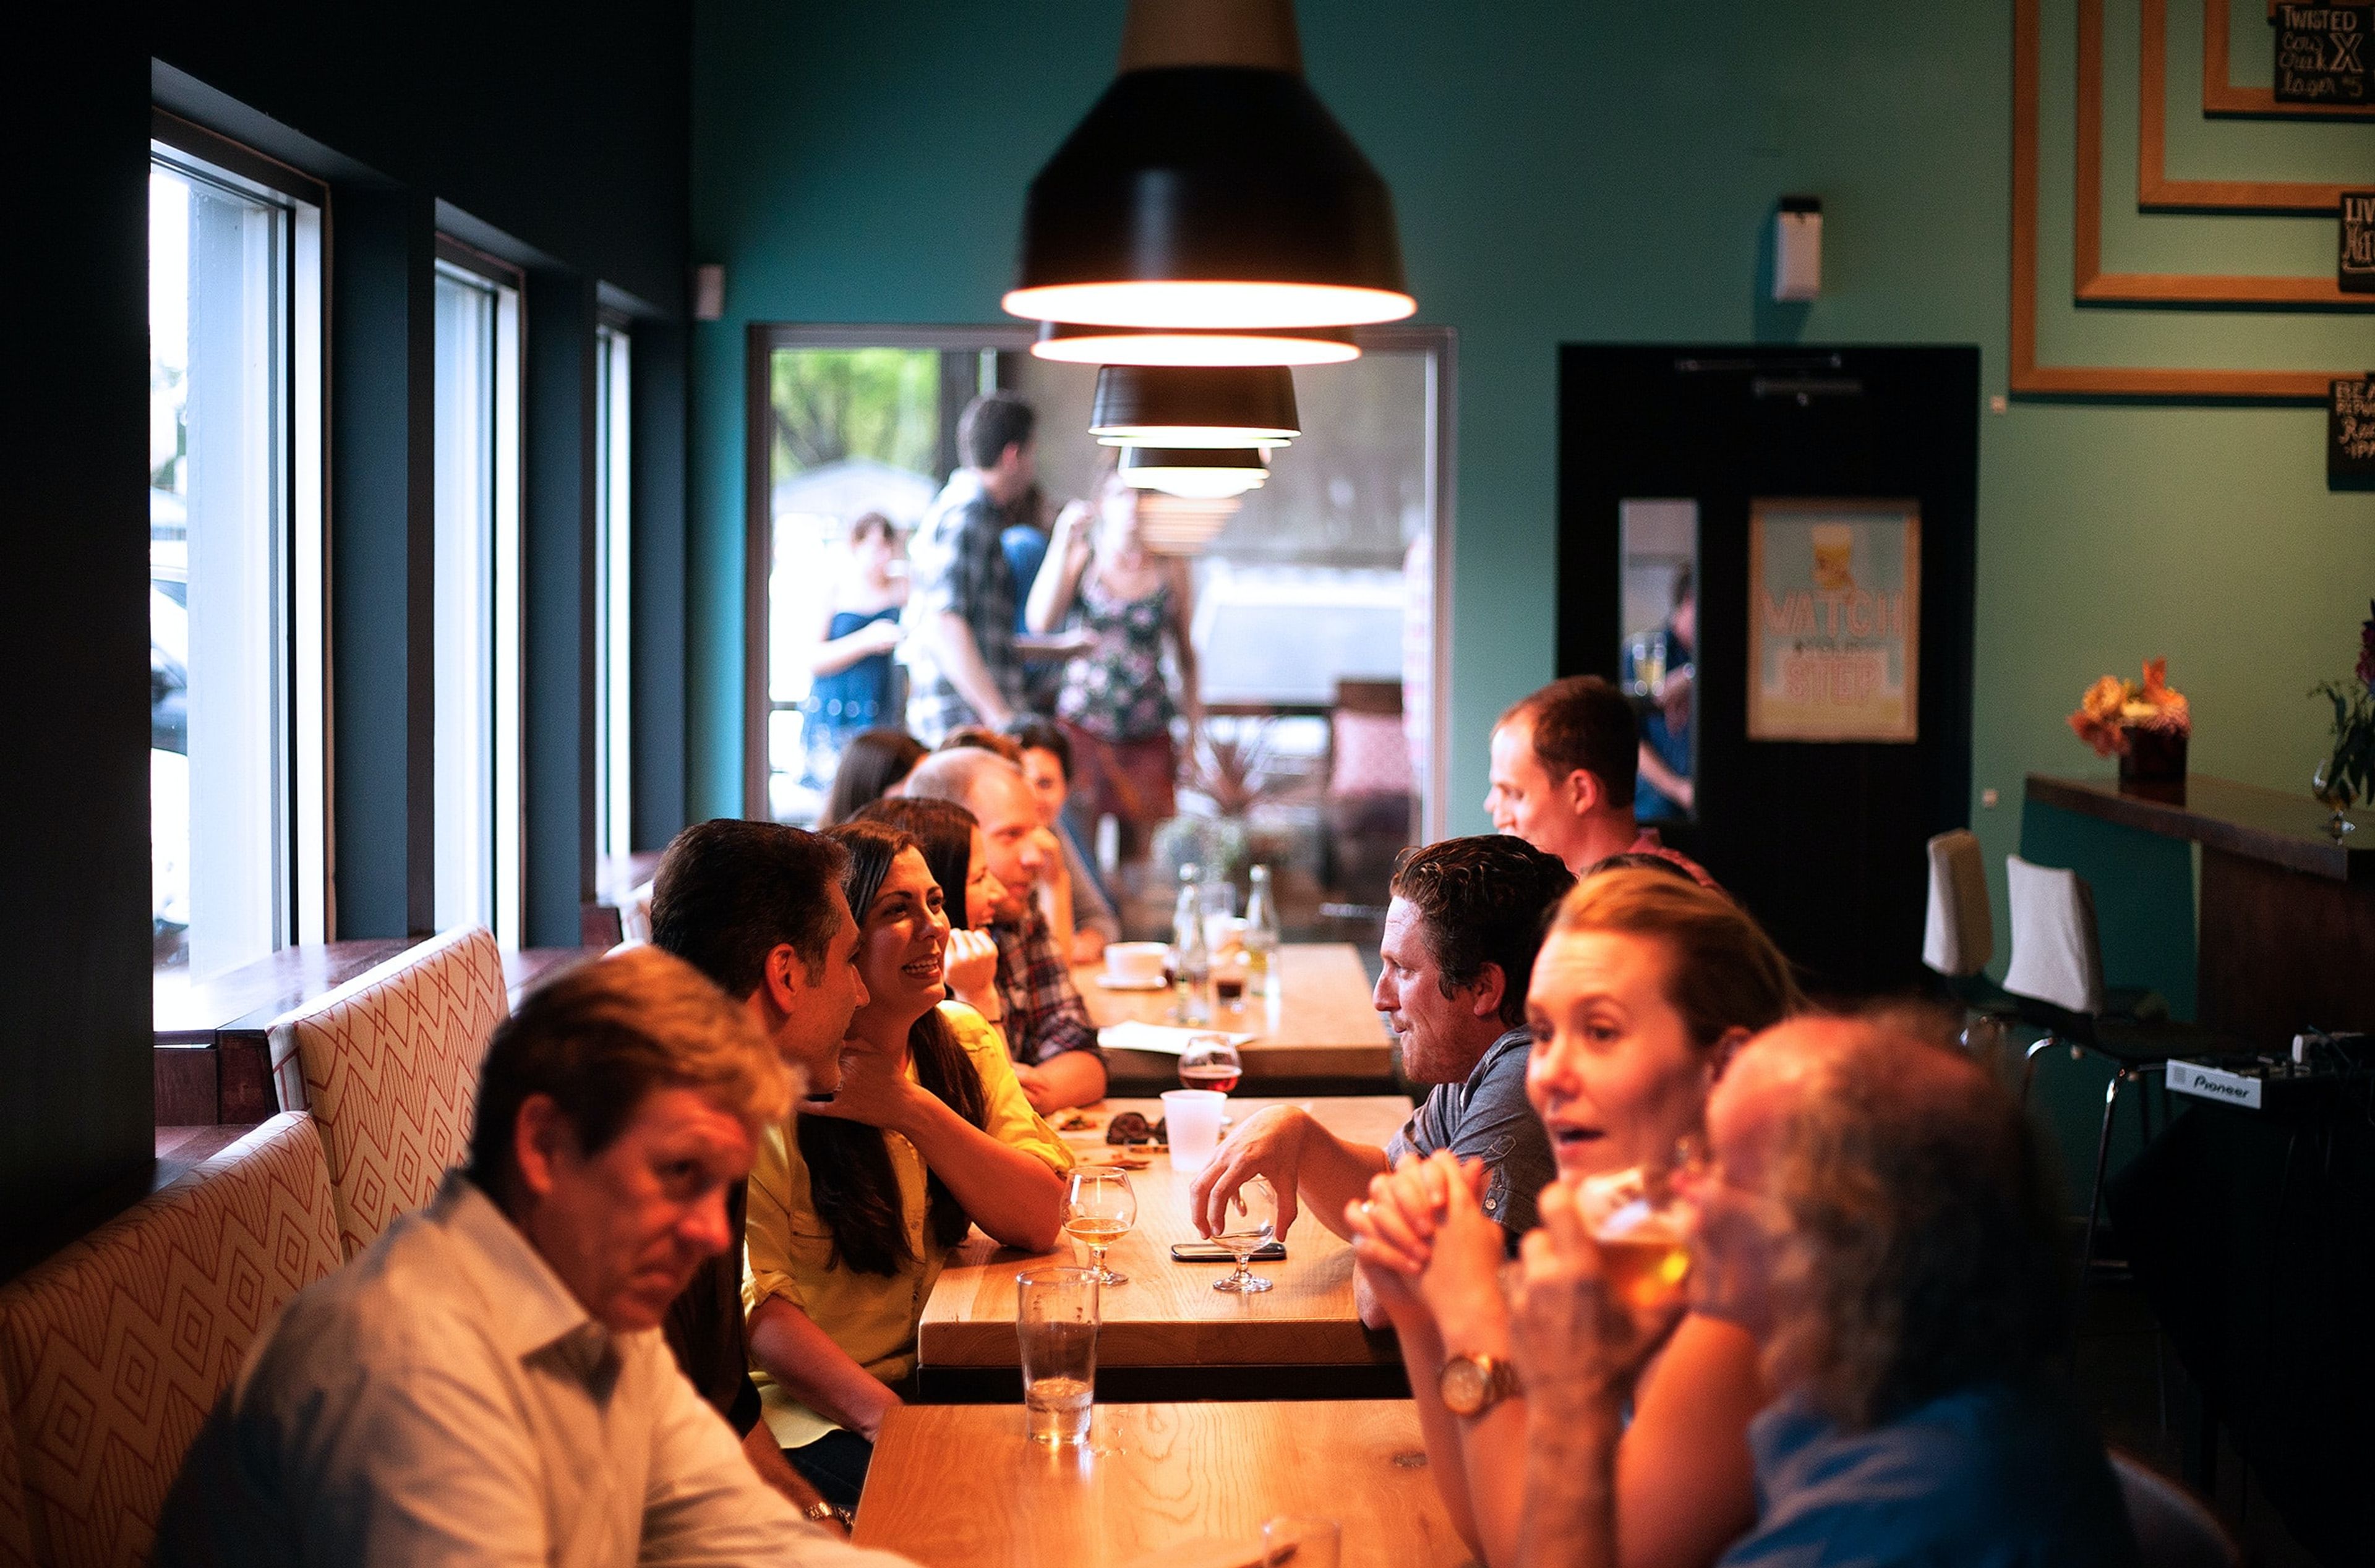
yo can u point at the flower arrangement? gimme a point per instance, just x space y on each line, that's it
2146 725
2348 771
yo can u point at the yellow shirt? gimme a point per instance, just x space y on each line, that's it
871 1317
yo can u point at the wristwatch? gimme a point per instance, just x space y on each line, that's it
820 1512
1474 1384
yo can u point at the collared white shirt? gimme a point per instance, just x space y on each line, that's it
445 1399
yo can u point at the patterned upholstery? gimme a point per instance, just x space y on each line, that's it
115 1349
391 1069
16 1531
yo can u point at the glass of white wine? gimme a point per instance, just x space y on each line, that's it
1100 1208
1248 1222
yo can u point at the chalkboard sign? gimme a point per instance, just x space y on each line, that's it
2358 265
2350 430
2321 53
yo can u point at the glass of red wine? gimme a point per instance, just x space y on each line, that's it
1211 1062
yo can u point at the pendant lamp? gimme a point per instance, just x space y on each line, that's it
1205 406
1209 187
1073 343
1171 525
1196 473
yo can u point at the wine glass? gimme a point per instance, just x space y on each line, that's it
1250 1220
1100 1208
1211 1062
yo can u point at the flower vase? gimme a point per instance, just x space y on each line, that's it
2153 756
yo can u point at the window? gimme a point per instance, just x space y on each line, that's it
613 619
477 859
236 798
1321 626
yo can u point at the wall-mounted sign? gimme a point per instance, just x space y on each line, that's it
2321 53
2350 429
2358 265
1834 633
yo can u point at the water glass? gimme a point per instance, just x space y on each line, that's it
1302 1542
1192 1116
1056 1322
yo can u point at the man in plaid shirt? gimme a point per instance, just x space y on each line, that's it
966 667
1048 1029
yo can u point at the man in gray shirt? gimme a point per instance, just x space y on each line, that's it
1460 937
487 1382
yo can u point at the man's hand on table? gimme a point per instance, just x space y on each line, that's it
1269 1144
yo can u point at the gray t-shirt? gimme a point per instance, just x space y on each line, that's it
1488 1119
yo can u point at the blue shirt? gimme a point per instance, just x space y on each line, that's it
1986 1477
1487 1117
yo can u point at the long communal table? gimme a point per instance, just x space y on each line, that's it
1171 1484
1320 1033
1168 1318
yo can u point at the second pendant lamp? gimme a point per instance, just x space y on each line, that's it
1195 405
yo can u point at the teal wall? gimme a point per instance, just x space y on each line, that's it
1569 173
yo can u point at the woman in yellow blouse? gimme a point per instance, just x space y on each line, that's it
852 1215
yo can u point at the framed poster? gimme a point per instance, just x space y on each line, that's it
1834 621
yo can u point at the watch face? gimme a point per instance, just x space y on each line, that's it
1463 1385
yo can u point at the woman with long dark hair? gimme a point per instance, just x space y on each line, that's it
873 764
955 854
849 1224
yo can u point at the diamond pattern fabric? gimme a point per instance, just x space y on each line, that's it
16 1533
114 1351
390 1064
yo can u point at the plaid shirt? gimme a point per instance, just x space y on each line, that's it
960 566
1045 1017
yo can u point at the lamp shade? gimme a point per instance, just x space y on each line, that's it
1209 187
1071 342
1197 473
1194 406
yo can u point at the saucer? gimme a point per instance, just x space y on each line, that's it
1114 983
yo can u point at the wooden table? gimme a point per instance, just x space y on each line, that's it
960 1484
1320 1034
1169 1315
2286 912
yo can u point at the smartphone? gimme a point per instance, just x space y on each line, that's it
1212 1252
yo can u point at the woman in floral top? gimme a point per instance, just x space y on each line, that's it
1115 705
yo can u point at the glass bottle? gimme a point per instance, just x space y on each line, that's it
1191 958
1261 935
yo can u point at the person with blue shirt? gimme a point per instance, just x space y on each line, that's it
854 676
1877 1214
1664 792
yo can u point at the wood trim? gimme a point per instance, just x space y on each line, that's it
2156 192
2221 98
2029 378
758 351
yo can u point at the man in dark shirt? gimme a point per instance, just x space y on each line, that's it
1876 1211
758 908
1565 762
1461 933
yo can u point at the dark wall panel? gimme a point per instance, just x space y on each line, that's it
658 436
557 662
74 833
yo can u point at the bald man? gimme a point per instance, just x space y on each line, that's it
1920 1418
1047 1030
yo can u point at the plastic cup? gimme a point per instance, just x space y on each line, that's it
1055 1323
1193 1119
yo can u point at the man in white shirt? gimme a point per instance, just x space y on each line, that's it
487 1384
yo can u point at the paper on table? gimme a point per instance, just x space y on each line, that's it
1136 1036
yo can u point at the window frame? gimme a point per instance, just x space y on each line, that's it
614 593
762 339
507 595
304 807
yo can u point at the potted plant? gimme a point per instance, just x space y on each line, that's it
2144 725
2347 773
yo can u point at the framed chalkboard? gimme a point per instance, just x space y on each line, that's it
2350 430
2321 53
2357 273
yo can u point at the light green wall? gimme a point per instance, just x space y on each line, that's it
1572 171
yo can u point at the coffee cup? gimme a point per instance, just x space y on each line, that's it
1135 963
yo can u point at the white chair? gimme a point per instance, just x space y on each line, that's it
1960 935
635 914
2056 972
2173 1530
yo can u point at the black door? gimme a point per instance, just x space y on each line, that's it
1823 841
